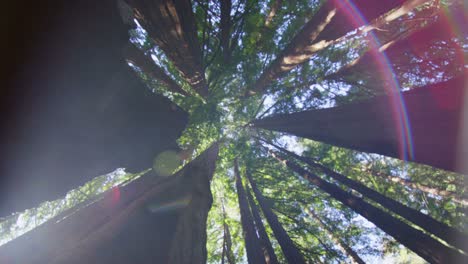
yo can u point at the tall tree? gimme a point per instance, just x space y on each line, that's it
135 56
435 113
338 241
252 243
327 27
449 234
171 25
267 248
290 251
422 244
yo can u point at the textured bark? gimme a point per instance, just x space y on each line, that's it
252 243
329 25
267 248
422 244
79 237
171 25
347 250
447 233
189 242
135 56
434 113
290 251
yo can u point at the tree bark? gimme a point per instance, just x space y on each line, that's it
329 25
273 10
77 236
447 233
171 25
434 137
347 250
290 251
252 243
135 56
422 244
267 248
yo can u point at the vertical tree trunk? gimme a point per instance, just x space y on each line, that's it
227 247
252 243
189 242
422 244
171 25
267 248
273 10
135 56
290 251
434 137
330 23
347 250
225 28
447 233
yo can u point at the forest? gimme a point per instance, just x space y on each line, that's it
318 131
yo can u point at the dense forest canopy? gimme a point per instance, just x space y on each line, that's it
301 97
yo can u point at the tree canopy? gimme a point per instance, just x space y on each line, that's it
243 68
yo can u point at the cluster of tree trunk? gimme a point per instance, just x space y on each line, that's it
424 125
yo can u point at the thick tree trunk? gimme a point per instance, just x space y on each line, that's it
135 56
422 244
347 250
171 25
252 243
447 233
432 135
189 242
87 234
290 251
329 25
268 251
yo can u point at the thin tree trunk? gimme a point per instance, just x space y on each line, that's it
228 239
225 28
447 233
290 251
422 244
423 188
435 113
329 25
347 250
135 56
172 26
268 251
273 10
252 243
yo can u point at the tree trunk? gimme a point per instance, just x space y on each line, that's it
189 242
172 26
422 244
86 234
268 251
252 243
225 28
329 25
435 113
135 56
273 10
347 250
227 247
447 233
423 188
290 251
